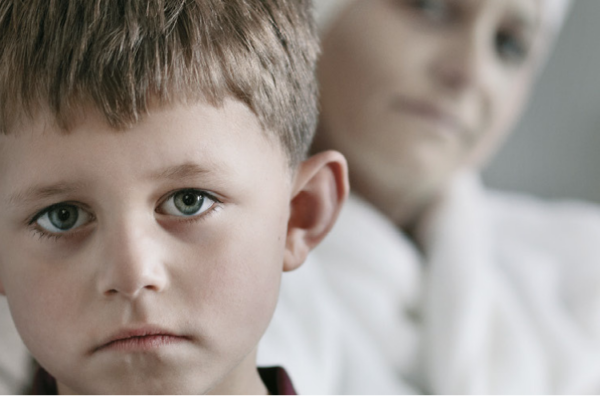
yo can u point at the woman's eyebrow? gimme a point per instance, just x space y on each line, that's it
38 193
525 20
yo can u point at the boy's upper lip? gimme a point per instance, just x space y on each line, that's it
139 331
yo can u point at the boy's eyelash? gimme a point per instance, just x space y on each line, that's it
44 235
190 220
206 214
39 214
204 193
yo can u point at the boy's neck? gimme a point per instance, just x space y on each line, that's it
244 379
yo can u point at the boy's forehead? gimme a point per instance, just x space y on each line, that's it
170 143
233 112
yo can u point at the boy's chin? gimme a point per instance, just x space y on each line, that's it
143 386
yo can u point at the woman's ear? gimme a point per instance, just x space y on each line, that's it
320 188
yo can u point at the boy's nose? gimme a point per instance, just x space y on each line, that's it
132 263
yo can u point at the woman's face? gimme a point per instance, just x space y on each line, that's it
413 90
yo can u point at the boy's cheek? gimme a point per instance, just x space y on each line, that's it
43 304
2 268
2 265
30 280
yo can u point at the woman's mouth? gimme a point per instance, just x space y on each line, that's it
428 112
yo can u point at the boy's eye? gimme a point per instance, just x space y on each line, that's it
63 218
186 203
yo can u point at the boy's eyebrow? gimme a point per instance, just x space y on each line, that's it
178 172
37 193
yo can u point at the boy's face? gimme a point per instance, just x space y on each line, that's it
174 229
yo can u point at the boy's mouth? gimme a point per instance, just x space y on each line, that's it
141 339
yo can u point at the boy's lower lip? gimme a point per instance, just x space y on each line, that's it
143 343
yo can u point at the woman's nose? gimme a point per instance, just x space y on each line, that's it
132 261
463 63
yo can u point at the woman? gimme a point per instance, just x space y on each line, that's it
431 283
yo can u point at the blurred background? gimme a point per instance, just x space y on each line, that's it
555 150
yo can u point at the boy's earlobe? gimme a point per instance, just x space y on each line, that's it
320 189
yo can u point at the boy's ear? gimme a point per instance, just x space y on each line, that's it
319 191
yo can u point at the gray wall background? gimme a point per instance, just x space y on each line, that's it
555 149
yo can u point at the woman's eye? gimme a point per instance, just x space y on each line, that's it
434 10
63 218
186 203
510 48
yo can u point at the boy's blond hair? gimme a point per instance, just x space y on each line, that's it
123 56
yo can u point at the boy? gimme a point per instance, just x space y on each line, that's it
153 185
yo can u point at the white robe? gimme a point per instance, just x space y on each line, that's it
507 301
